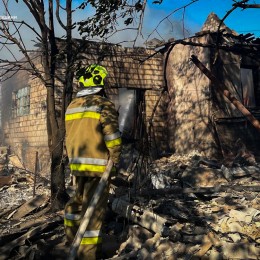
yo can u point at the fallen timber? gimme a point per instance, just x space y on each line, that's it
223 90
144 218
201 190
6 249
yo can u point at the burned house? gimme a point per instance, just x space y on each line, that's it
199 116
132 86
164 98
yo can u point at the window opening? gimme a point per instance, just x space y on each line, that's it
247 87
21 102
126 105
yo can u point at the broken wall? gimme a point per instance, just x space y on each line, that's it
200 117
231 125
156 117
26 134
227 70
190 104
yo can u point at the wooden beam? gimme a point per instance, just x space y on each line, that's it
6 250
145 218
221 88
30 205
201 190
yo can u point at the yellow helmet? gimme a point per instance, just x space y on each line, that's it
92 76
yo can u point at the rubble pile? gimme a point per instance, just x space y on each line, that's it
24 217
188 207
17 184
200 208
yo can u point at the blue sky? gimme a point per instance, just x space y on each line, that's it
242 21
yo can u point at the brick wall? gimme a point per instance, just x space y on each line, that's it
28 134
126 66
190 101
156 117
130 68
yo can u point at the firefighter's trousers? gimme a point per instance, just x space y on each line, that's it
91 243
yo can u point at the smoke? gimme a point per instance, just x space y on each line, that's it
157 24
160 24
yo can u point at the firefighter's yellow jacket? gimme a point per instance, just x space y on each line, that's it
92 135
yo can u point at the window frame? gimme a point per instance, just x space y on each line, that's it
256 85
21 102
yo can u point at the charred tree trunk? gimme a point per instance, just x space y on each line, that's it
55 115
70 61
55 125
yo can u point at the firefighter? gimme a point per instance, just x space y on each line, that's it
92 136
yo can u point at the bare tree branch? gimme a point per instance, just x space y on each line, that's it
244 6
219 26
170 14
7 27
58 15
9 36
139 29
170 45
26 24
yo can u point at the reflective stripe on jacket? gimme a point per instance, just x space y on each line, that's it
91 237
92 135
71 220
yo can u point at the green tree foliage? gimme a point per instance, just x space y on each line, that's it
108 14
